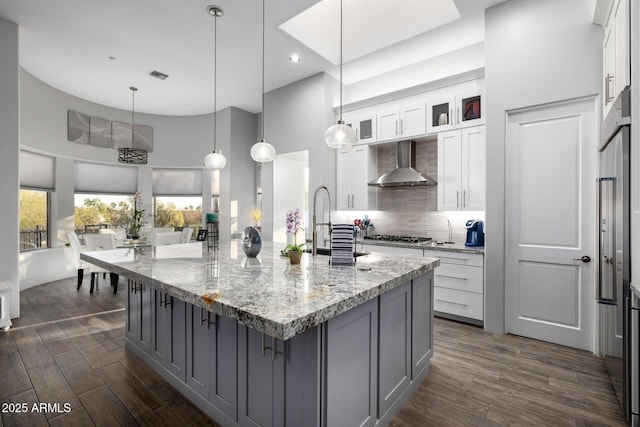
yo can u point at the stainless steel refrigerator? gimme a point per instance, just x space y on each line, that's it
613 292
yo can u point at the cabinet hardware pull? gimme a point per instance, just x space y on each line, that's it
263 349
464 198
353 200
452 302
607 88
206 319
452 277
401 126
396 127
451 118
166 301
357 139
457 198
273 348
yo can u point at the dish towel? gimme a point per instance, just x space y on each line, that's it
342 244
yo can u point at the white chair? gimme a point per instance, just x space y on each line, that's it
118 233
166 238
185 237
76 248
99 242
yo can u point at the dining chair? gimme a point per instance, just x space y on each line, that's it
118 233
172 238
76 248
185 237
98 242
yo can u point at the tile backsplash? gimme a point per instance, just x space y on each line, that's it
413 211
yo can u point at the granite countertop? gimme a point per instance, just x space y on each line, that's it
451 247
264 293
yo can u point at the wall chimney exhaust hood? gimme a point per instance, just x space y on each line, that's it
404 175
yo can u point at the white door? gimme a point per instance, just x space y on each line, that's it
551 152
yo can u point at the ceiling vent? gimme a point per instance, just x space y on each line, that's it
158 75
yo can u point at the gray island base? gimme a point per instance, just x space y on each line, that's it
257 342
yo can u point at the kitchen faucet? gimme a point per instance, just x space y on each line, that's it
314 236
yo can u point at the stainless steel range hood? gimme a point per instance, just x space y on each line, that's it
404 175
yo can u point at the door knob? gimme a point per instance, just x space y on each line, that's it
583 258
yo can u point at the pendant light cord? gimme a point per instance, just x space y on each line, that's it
263 36
133 109
215 77
340 60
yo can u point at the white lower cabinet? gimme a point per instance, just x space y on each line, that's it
459 285
394 250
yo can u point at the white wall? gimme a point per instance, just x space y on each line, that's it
537 51
440 67
178 141
296 117
9 149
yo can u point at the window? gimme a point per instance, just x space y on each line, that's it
94 211
34 219
179 212
37 180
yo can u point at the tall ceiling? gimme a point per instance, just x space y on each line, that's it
96 50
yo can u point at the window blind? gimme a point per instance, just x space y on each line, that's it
177 182
106 179
37 171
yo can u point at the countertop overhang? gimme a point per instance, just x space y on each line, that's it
265 293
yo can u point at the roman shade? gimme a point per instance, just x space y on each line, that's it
37 171
105 179
177 182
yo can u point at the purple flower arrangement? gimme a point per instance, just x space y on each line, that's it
294 224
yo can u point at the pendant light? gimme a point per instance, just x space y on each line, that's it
340 135
215 159
132 155
263 151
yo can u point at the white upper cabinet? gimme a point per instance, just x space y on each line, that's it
404 119
461 169
616 53
364 124
455 107
355 167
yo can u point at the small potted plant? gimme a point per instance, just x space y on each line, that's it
294 224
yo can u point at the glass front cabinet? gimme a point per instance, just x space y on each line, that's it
365 126
455 109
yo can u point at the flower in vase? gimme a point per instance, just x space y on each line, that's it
294 224
137 217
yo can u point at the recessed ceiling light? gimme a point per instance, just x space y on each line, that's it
113 58
294 58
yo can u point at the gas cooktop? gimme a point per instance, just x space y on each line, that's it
392 238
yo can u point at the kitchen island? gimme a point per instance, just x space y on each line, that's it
256 341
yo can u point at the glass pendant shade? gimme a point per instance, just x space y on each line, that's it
263 152
340 135
215 160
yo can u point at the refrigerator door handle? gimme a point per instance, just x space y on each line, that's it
612 259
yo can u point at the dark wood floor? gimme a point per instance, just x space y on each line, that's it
68 348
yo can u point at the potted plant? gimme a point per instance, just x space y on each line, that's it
137 217
294 224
